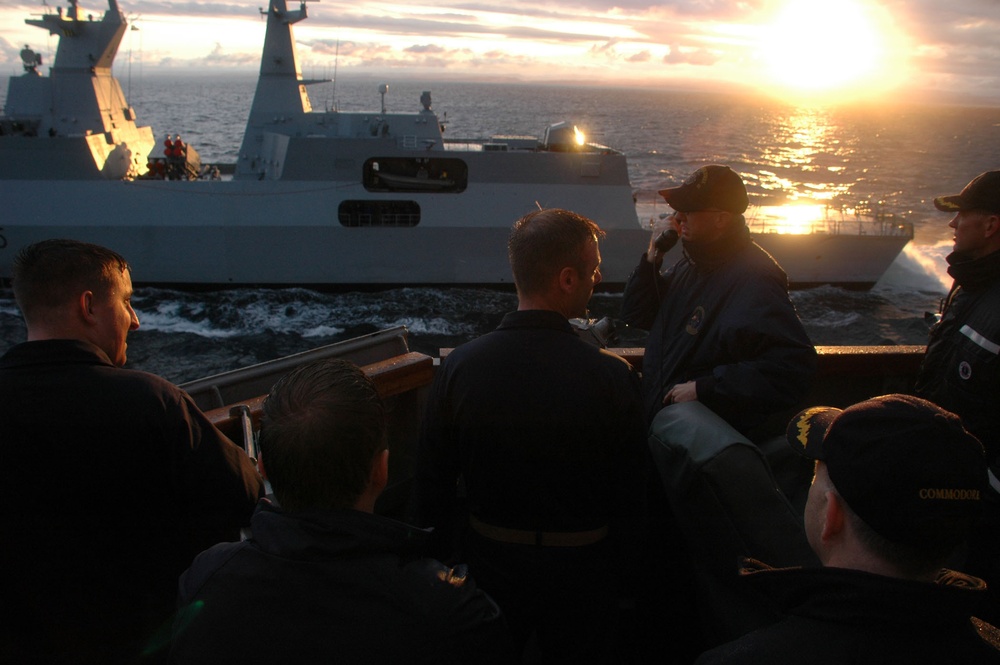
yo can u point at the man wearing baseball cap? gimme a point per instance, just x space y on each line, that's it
722 329
961 369
898 487
725 351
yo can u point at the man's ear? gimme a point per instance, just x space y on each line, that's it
833 516
379 477
992 226
568 278
85 306
724 220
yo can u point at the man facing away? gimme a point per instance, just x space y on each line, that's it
323 579
544 435
722 328
898 486
115 479
961 370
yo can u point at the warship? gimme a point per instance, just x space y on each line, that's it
317 198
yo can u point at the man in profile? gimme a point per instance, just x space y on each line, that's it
533 452
115 479
898 487
961 370
324 579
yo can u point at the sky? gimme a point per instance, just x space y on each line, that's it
945 50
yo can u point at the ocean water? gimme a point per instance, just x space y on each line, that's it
897 157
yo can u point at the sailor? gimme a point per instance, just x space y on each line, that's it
898 486
336 582
115 479
722 328
725 352
961 369
546 433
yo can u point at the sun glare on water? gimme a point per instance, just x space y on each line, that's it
799 218
811 48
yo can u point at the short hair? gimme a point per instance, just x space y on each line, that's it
321 427
912 561
543 242
49 273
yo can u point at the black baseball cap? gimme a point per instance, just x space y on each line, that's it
905 466
983 193
712 186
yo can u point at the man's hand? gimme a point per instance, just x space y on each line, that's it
682 392
654 255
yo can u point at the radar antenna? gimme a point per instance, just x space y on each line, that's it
31 60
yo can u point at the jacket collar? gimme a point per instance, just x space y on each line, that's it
321 534
974 273
535 318
48 351
840 595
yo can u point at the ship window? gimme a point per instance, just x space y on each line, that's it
379 213
415 174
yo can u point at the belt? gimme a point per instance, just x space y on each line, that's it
539 538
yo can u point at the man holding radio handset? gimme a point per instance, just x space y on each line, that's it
725 351
722 328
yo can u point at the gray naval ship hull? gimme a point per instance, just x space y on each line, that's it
274 233
284 233
317 198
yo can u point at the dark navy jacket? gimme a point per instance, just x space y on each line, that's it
961 371
721 317
115 482
332 587
545 429
543 432
835 616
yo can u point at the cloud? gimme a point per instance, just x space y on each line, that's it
425 49
456 25
605 48
951 45
348 49
679 56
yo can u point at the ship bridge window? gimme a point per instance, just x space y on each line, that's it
415 174
378 213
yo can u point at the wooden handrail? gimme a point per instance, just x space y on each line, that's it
412 370
839 360
393 376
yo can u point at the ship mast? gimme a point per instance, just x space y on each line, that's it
281 93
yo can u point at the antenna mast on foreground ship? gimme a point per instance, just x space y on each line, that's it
281 95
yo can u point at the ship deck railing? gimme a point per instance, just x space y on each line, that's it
837 228
860 219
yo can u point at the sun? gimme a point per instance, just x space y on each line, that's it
824 47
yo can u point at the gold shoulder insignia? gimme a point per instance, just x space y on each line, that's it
987 632
454 576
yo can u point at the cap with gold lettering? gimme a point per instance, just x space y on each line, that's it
905 466
982 193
